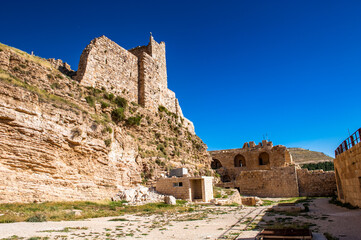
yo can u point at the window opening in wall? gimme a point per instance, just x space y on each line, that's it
263 158
216 164
239 161
359 179
178 184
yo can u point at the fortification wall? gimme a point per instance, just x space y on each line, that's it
348 175
249 156
139 74
265 170
317 183
281 182
104 64
149 87
157 52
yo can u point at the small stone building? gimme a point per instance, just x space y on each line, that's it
187 188
348 169
265 170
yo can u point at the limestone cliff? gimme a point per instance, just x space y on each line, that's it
61 140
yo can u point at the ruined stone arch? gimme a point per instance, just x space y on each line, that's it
239 161
215 164
263 158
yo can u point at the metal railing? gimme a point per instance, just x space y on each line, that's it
349 142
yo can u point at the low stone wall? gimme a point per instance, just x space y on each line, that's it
317 183
279 182
348 175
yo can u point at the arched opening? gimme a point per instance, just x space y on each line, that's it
263 159
239 161
339 186
215 164
226 178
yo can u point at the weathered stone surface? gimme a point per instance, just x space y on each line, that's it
260 170
317 183
63 67
187 188
265 170
140 74
138 195
54 146
170 200
235 197
348 175
104 63
251 201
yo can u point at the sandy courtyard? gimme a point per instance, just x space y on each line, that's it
206 222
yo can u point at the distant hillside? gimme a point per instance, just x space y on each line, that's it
303 156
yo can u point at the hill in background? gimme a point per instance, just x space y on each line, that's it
303 156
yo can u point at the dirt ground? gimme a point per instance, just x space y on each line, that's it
206 222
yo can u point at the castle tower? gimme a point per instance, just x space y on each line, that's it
138 74
152 76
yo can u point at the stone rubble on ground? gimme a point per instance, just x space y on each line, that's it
252 201
138 195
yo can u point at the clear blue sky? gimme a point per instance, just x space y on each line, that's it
241 69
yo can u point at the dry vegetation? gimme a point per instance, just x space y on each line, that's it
161 139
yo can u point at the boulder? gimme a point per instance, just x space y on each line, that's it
170 200
252 201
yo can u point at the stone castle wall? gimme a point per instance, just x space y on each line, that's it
104 64
139 74
250 154
265 170
317 183
348 175
280 182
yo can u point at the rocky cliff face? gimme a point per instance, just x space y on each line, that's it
60 141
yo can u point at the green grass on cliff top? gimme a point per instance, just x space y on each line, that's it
26 55
58 211
8 78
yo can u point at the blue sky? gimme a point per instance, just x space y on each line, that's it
241 69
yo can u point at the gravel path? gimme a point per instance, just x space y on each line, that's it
341 222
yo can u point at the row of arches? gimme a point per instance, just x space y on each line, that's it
240 161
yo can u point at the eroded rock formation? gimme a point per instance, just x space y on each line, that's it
59 140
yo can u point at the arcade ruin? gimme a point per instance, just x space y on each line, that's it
265 170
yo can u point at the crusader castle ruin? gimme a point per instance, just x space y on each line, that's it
58 146
139 74
265 170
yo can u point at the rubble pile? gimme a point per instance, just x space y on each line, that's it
138 195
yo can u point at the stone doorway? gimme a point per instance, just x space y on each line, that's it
196 189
